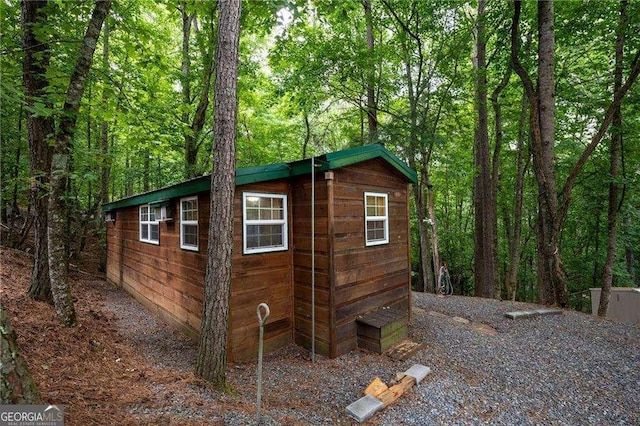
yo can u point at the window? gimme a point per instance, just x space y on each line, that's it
265 222
149 227
376 215
189 223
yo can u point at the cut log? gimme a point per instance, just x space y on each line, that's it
376 387
396 391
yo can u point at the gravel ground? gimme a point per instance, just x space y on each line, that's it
569 369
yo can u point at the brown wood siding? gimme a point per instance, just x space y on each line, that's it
351 279
367 278
169 280
301 190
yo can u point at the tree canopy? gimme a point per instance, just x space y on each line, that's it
311 74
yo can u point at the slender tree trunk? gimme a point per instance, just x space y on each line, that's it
426 273
212 350
189 139
616 144
104 126
485 275
191 145
60 167
105 160
307 134
40 130
514 236
146 169
434 234
372 113
629 255
495 172
16 168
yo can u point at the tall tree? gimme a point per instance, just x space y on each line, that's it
212 352
485 251
372 112
553 205
614 150
60 169
193 125
40 129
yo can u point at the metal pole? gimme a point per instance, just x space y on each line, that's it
313 259
261 320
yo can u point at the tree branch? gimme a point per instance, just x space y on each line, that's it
565 195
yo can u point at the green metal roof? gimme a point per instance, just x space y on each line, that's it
246 175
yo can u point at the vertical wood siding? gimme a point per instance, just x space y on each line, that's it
351 278
368 278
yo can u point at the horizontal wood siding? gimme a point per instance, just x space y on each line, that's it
301 190
169 280
367 278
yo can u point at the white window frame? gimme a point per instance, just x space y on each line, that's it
148 224
384 219
284 222
184 222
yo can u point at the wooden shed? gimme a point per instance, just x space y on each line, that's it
156 249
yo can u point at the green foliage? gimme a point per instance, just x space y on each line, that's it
302 91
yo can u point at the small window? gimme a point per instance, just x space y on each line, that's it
264 222
149 226
189 223
376 213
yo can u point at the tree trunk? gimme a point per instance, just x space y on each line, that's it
372 114
435 250
485 276
552 286
616 145
191 146
425 265
514 234
212 350
629 256
40 129
60 167
185 80
105 161
16 384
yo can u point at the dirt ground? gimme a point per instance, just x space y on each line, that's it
99 373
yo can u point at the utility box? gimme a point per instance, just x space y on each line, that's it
624 304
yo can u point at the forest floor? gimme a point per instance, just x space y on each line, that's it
123 366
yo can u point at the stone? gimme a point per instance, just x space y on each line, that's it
364 408
418 372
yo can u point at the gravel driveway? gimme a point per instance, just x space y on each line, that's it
571 369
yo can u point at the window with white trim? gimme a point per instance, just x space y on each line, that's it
376 218
264 224
189 223
149 226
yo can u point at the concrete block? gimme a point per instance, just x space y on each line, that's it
364 408
549 311
534 313
418 372
520 314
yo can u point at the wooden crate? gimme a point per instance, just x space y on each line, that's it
379 330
